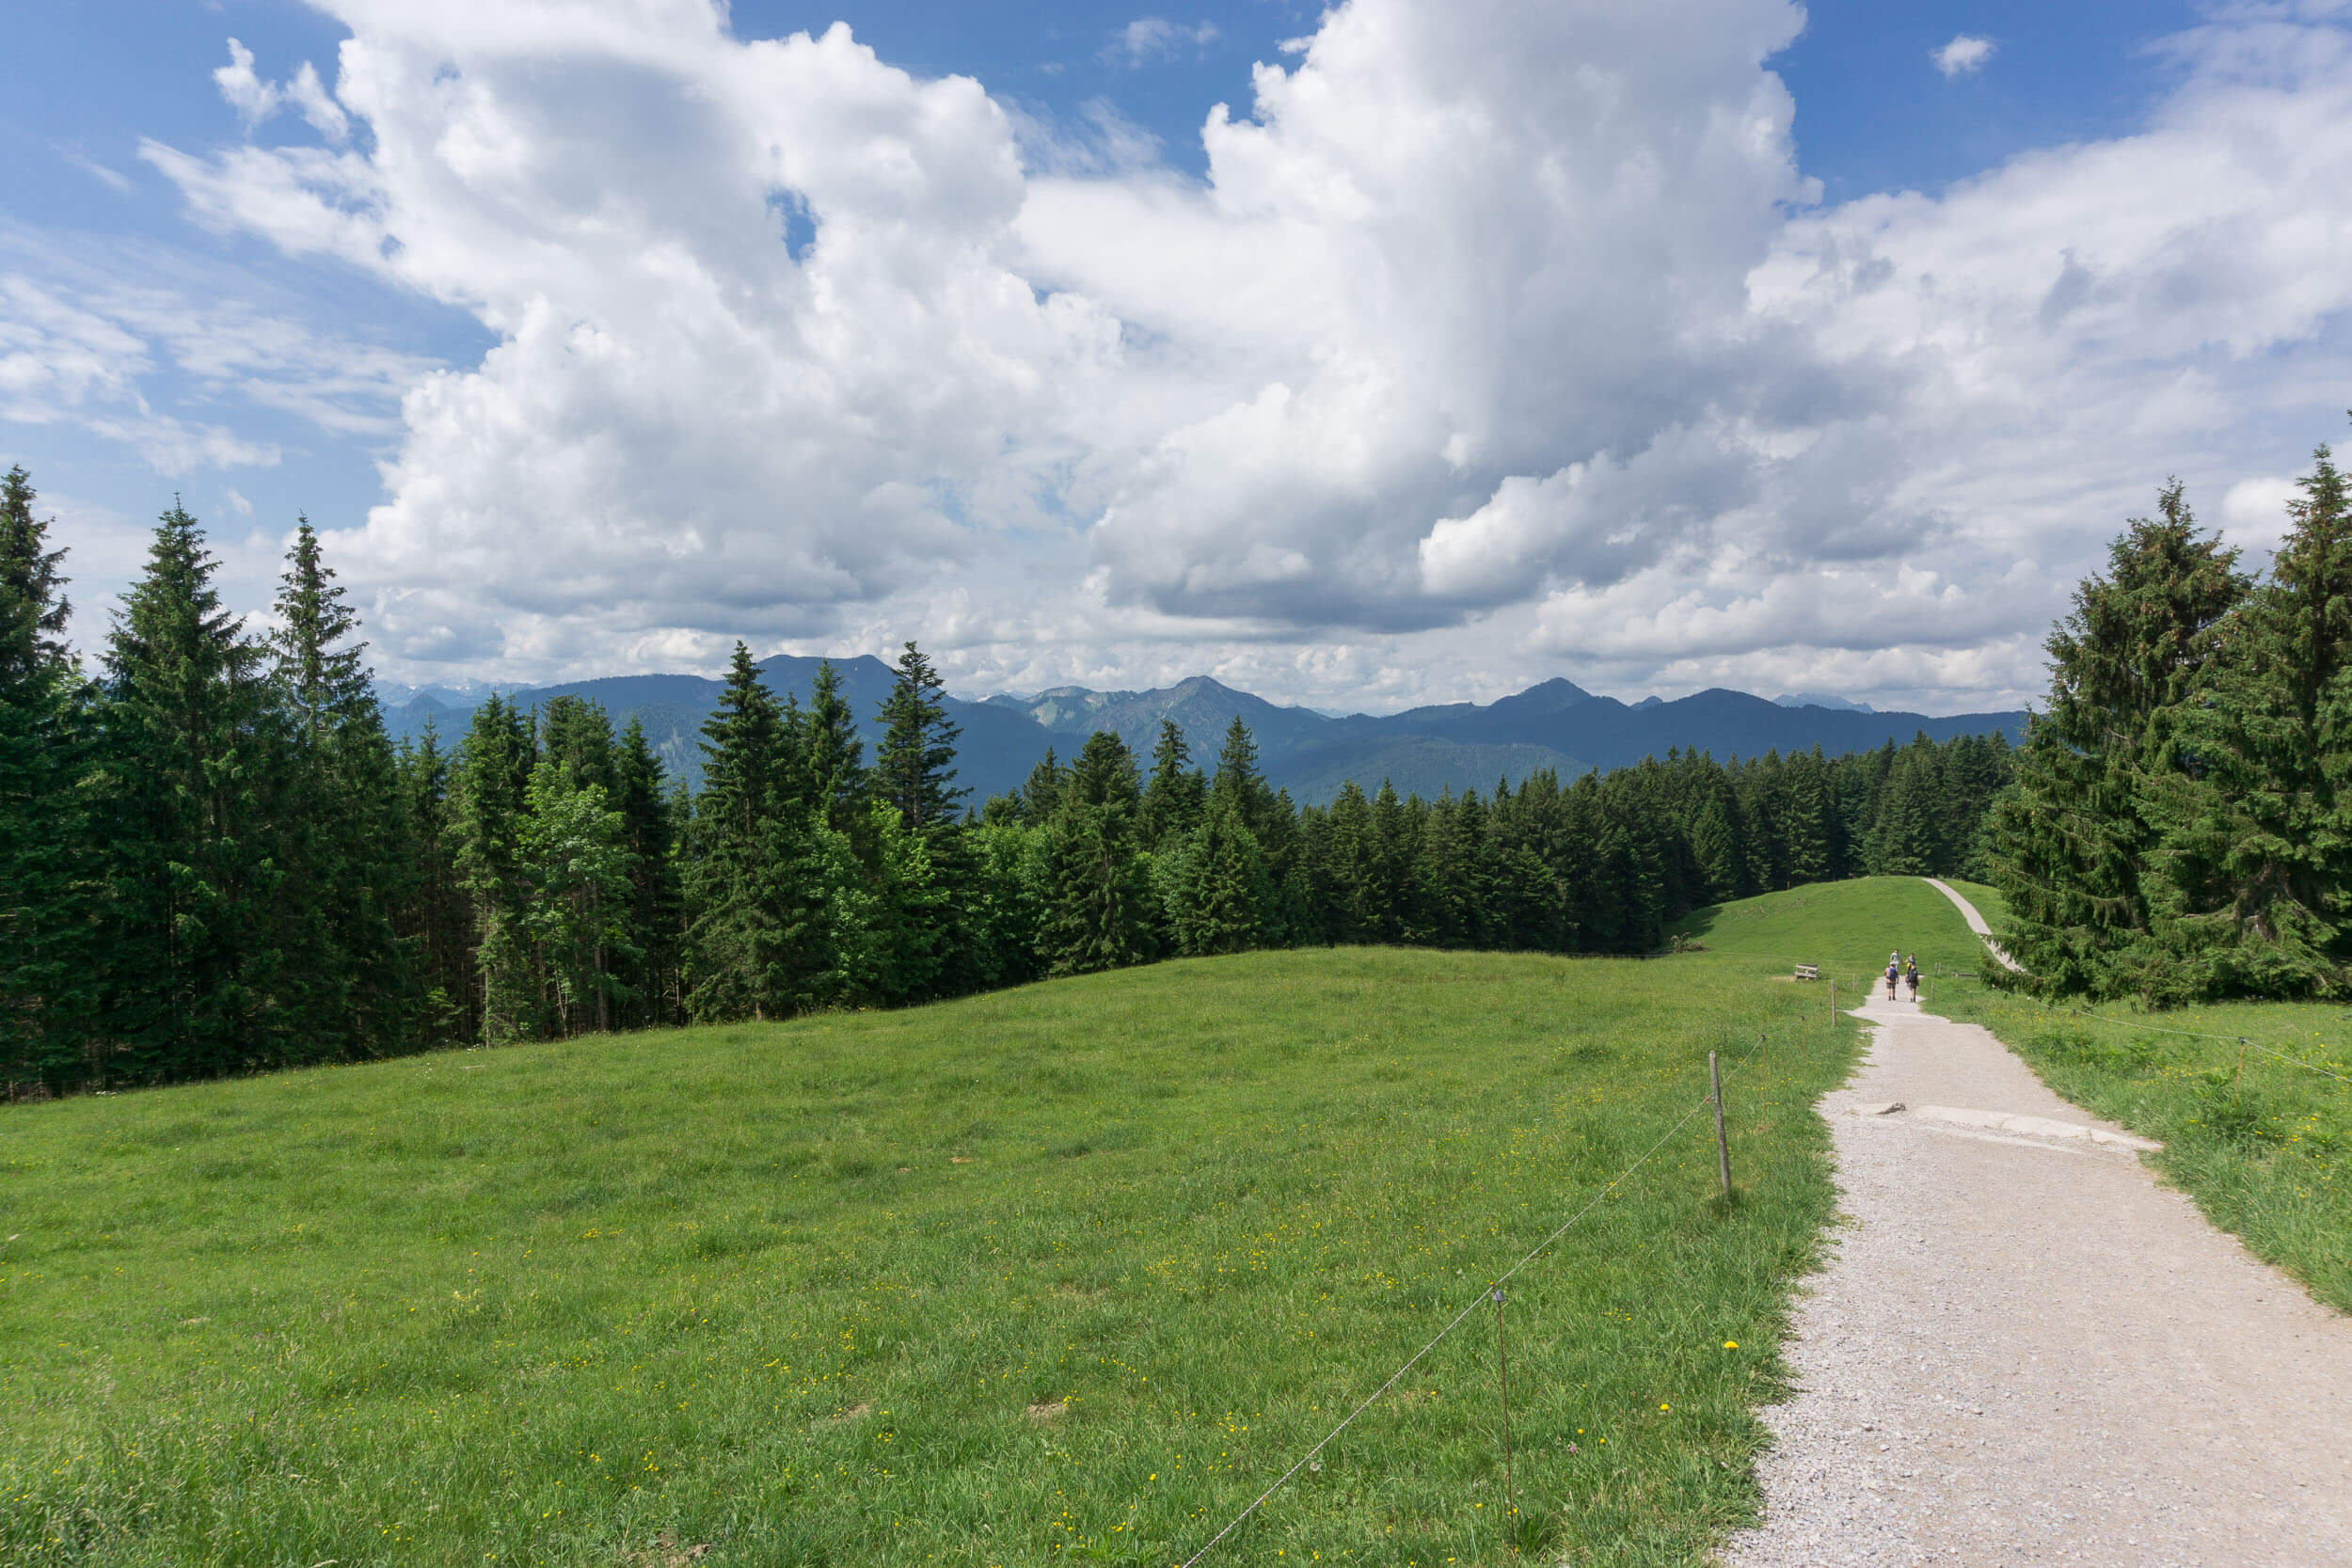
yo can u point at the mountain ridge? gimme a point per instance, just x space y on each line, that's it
1552 724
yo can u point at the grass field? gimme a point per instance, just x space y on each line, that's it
1069 1272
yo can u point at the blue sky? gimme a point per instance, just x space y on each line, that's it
176 320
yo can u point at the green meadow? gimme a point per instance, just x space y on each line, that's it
1070 1271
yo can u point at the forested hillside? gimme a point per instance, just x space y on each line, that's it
213 858
2182 825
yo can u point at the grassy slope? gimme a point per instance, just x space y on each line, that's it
1845 927
796 1290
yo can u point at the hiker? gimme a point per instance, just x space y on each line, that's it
1893 969
1911 974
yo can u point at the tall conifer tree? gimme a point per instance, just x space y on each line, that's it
344 837
650 830
1175 798
435 921
2257 842
190 808
2069 844
837 755
915 764
47 846
489 800
1098 909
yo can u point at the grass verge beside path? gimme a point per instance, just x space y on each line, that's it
1067 1272
2263 1153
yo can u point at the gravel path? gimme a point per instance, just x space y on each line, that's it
1975 920
2025 1351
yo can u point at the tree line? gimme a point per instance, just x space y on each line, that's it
214 860
2181 828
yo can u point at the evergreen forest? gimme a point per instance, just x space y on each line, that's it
213 860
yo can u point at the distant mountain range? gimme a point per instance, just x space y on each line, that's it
1454 746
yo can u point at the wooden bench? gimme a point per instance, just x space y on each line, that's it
1809 971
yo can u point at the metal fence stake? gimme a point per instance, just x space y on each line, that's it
1723 1150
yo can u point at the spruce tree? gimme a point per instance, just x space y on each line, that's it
1178 793
2069 844
1716 846
190 805
1219 885
836 756
914 772
1908 837
775 903
740 927
1041 795
1238 786
1100 912
914 763
577 734
489 799
650 830
1395 839
436 920
344 839
1806 808
2256 848
47 844
573 851
1351 870
34 609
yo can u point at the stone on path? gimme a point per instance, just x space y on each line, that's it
2025 1351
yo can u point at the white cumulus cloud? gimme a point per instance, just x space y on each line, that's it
1496 340
1965 54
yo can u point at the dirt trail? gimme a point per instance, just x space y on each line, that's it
2025 1351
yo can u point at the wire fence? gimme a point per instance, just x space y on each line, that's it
1485 1293
2248 1041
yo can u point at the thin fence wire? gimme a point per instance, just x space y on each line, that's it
1459 1317
2246 1040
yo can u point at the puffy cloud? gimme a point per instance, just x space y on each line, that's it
1495 338
1963 57
1453 249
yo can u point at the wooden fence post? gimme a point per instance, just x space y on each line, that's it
1723 1150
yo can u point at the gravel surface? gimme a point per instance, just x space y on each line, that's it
2026 1350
